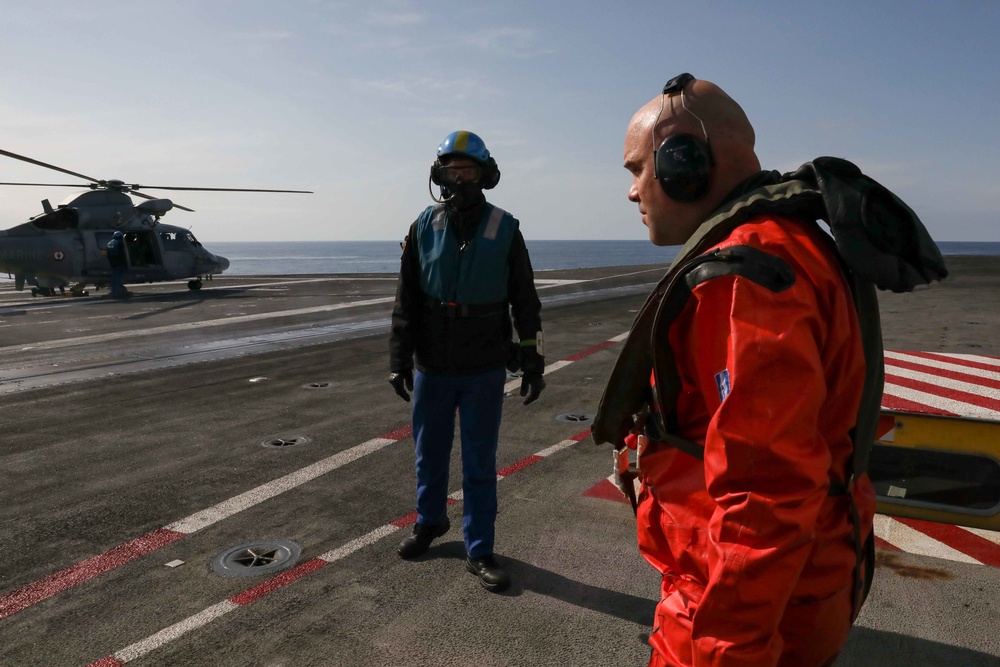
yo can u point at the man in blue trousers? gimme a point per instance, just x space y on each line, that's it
464 271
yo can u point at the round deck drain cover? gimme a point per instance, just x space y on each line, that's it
286 441
319 385
575 417
254 559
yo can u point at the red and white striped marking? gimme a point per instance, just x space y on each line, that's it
965 545
57 582
940 540
949 385
209 614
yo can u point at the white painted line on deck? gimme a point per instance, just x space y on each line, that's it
209 614
276 487
187 326
42 589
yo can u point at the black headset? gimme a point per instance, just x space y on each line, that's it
489 174
683 162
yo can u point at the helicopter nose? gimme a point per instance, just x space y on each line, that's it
223 262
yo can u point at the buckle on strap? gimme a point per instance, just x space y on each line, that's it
452 309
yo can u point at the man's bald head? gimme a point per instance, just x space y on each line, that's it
731 141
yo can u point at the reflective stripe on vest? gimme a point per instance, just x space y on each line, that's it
475 274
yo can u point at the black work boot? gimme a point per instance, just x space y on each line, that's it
418 543
491 576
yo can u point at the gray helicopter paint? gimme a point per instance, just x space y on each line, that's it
62 247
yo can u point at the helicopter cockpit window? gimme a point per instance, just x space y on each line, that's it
59 219
174 240
192 240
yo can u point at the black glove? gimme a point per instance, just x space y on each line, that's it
532 367
401 382
532 385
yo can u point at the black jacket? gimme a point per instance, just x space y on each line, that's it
454 345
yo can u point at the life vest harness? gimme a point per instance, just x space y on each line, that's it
879 241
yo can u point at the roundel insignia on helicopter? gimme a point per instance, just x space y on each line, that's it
59 255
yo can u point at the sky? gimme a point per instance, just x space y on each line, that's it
351 99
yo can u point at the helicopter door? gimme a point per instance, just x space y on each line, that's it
143 250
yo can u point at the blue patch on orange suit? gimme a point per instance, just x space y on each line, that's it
722 383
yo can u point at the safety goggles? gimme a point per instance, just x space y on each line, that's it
457 174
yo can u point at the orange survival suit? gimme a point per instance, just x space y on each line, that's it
755 424
757 558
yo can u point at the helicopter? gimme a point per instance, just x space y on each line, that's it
66 246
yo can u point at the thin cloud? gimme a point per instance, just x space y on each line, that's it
390 19
427 88
265 35
518 42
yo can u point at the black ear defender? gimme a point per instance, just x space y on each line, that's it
489 174
682 163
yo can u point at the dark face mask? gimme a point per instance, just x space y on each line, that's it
462 195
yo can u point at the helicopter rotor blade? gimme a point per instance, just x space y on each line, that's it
51 185
171 187
145 196
46 165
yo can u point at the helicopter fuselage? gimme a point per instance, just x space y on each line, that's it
66 246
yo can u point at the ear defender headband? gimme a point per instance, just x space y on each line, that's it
683 162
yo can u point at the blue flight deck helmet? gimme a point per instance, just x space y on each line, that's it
117 235
466 144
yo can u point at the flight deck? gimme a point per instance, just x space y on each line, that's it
221 477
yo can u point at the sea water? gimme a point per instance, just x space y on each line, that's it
288 257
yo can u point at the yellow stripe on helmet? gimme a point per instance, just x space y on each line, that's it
461 140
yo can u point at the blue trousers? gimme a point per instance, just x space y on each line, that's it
478 398
117 288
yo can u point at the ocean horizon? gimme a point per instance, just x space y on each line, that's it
323 257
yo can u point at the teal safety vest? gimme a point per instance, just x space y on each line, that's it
473 274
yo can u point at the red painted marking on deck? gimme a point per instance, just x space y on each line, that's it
399 433
937 390
278 581
945 373
957 538
605 490
590 350
57 582
44 588
411 518
582 435
520 465
896 404
405 520
992 365
109 661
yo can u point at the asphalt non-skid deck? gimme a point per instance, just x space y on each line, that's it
139 443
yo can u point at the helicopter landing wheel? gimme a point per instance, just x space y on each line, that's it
194 284
34 291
